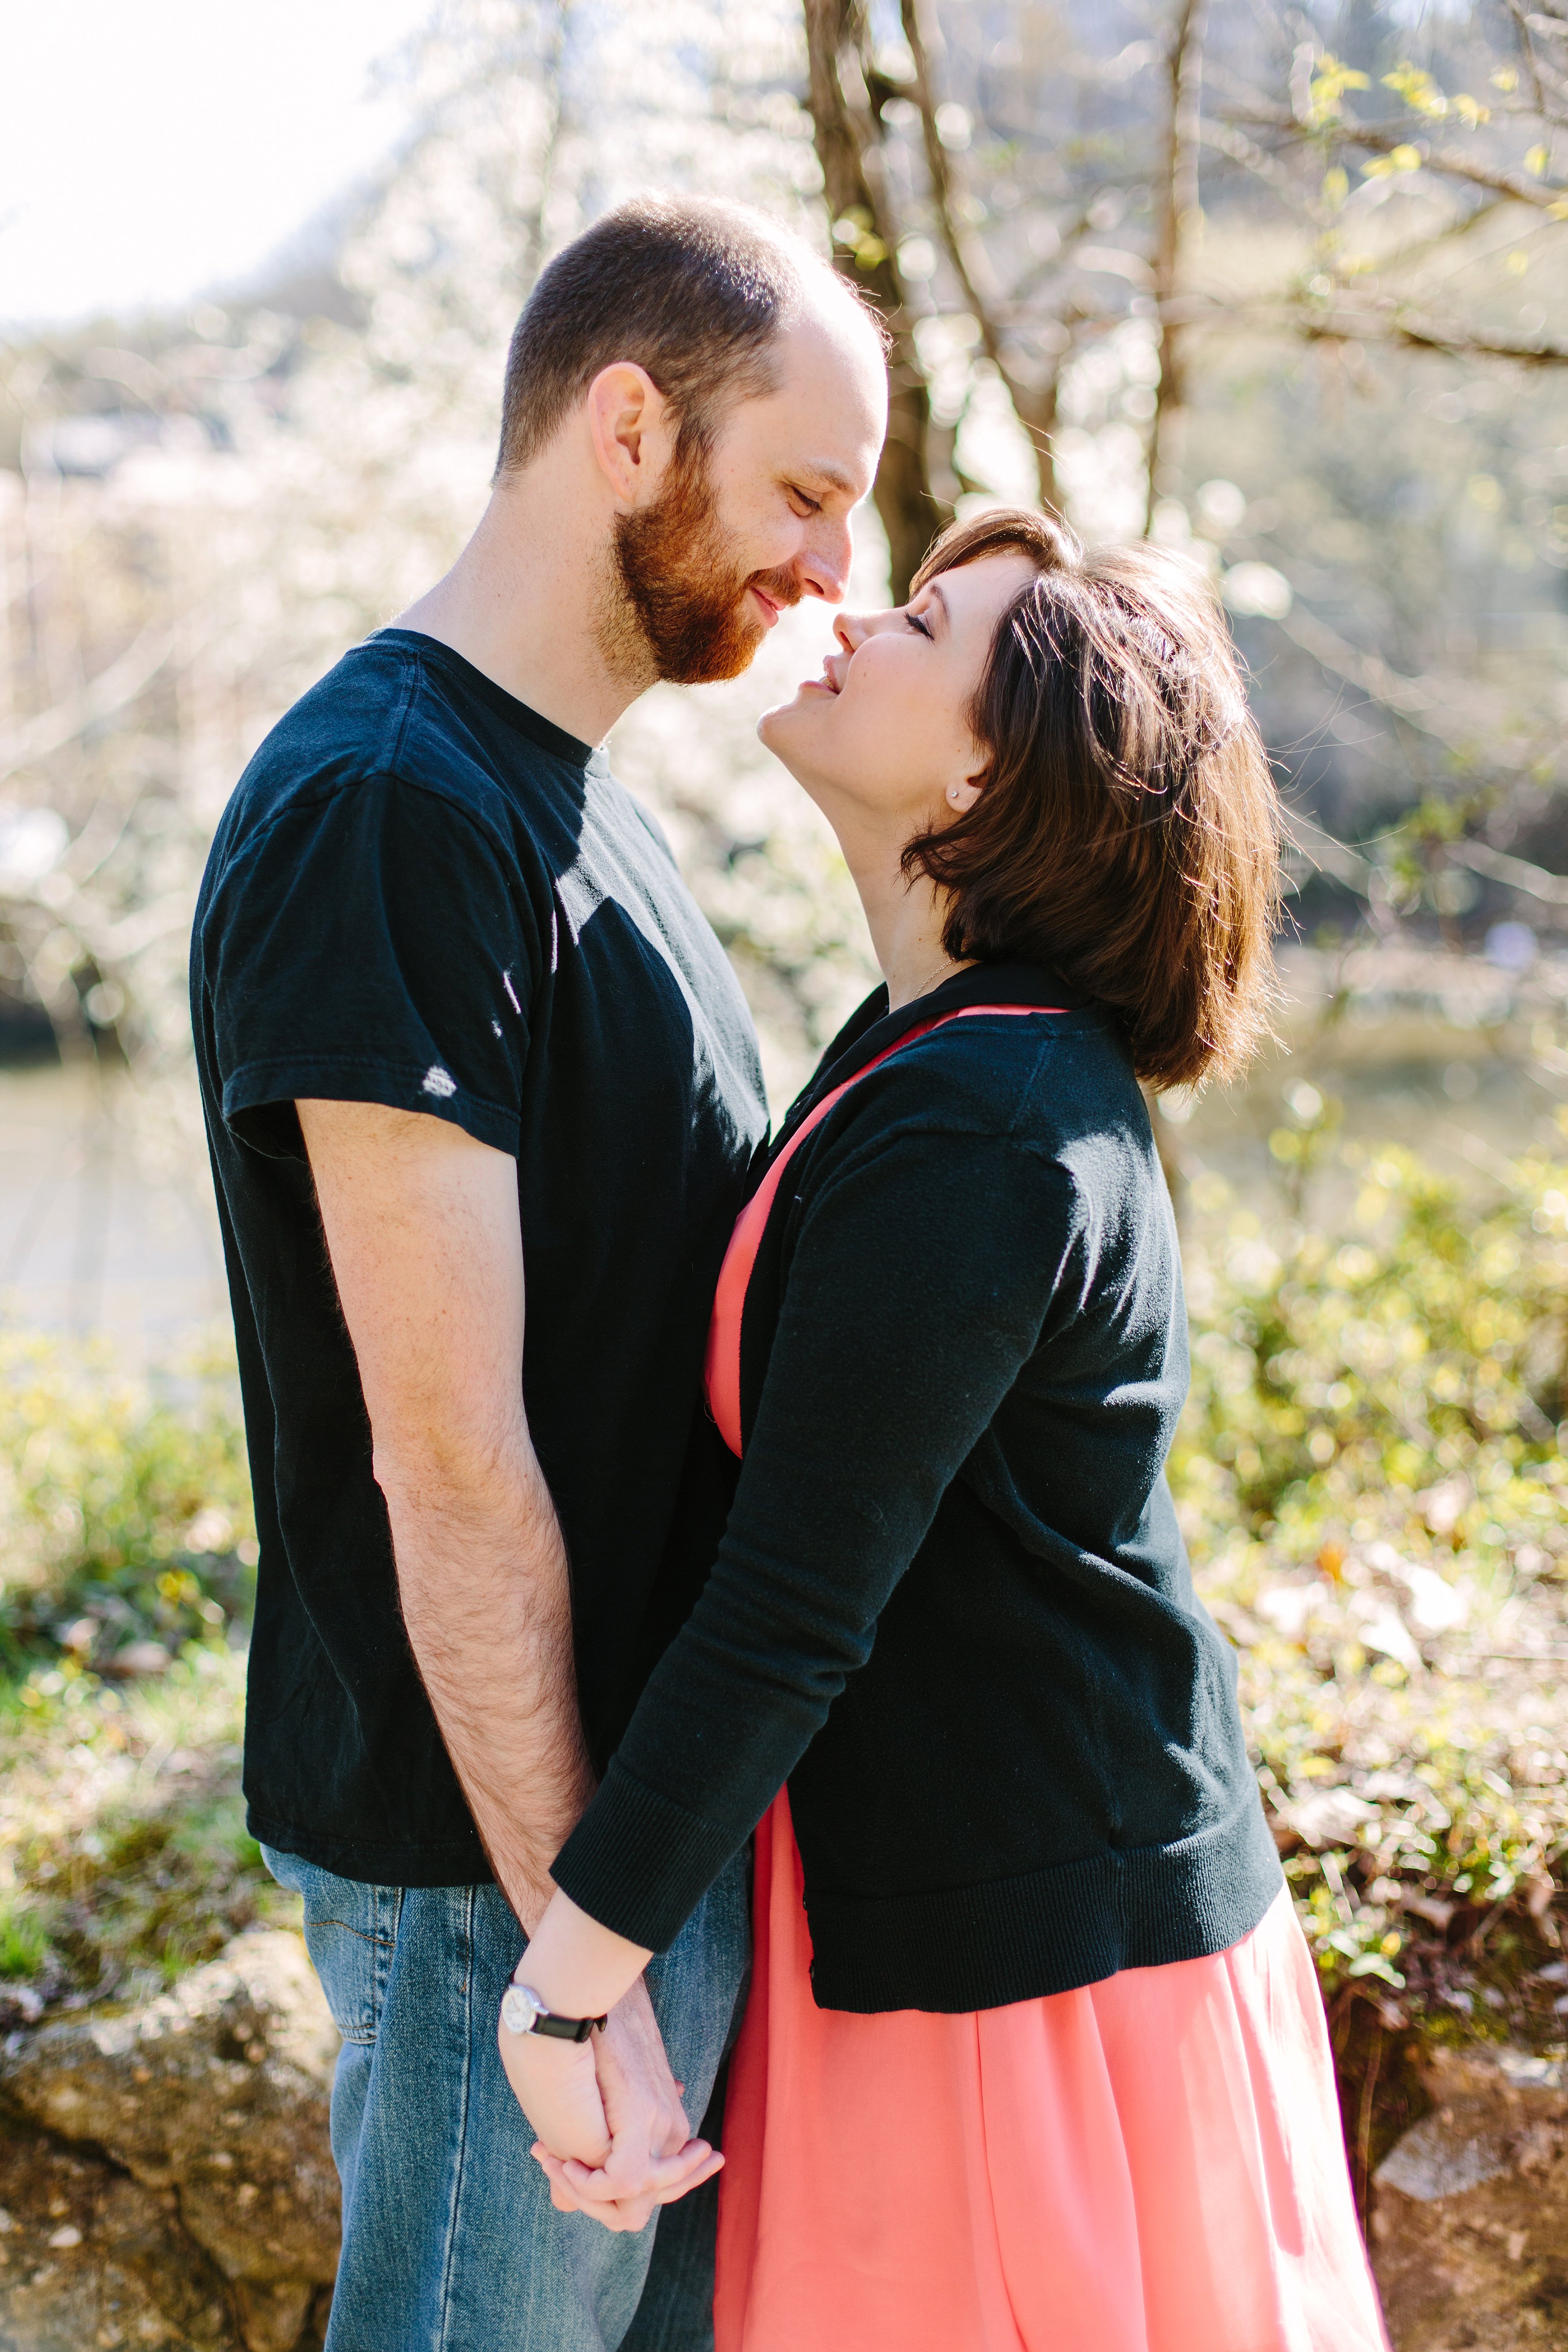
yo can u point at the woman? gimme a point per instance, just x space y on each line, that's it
1040 2063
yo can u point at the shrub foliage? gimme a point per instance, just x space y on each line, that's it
1376 1501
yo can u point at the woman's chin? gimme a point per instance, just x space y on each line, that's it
774 728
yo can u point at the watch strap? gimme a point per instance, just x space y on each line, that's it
523 2011
566 2029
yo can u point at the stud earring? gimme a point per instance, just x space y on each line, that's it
953 794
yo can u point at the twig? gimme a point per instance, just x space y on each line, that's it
1363 2124
1382 141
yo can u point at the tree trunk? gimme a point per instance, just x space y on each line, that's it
1177 218
864 240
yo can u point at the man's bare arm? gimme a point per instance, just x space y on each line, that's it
421 1222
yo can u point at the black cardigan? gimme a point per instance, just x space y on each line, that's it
951 1604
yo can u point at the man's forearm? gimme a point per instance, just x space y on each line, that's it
486 1591
421 1223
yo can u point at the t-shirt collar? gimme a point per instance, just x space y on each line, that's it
462 671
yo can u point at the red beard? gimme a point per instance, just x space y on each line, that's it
682 584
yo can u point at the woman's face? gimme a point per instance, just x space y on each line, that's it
882 738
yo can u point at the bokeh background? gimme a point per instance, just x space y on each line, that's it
1284 288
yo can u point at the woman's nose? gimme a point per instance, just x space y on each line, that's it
852 629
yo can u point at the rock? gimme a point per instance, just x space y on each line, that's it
217 2093
131 2278
1469 2225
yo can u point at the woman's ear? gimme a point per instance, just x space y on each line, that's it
961 797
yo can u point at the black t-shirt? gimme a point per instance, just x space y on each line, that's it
423 894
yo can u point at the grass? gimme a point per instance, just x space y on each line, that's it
124 1854
125 1512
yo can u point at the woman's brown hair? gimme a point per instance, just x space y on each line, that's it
1128 834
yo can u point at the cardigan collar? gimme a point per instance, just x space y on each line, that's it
871 1029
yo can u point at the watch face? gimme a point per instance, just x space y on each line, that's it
517 2010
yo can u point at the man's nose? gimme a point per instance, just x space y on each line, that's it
823 564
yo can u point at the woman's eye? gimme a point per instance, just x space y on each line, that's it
915 622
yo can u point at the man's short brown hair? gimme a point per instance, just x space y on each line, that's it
692 290
1128 836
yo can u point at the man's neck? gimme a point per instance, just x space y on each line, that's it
525 602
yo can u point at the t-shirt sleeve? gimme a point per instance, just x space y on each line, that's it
373 945
917 1291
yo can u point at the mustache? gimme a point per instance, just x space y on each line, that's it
781 588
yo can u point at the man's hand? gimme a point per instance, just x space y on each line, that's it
652 2159
421 1223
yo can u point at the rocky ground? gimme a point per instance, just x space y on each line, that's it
165 2168
1470 2215
165 2179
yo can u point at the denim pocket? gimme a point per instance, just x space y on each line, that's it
350 1934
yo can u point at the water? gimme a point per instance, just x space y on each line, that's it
103 1226
107 1220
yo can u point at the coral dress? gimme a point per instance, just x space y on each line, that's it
1150 2164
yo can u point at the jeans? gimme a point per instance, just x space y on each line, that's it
450 2242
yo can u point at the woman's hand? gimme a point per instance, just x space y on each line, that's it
557 2088
578 2188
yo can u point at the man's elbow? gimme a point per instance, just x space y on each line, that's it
437 1470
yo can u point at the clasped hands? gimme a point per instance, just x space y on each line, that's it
614 2138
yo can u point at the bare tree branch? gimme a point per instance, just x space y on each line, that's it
1381 139
1427 335
1518 872
1457 720
109 691
1228 141
1382 325
1034 404
1527 50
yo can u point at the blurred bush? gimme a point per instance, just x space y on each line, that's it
123 1852
127 1559
1372 1483
125 1520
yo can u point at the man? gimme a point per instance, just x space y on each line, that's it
460 1028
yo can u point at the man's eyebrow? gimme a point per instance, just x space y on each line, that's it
831 476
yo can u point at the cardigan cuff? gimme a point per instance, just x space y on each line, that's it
639 1864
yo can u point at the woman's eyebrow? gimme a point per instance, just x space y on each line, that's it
938 598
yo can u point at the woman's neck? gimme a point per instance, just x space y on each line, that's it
905 917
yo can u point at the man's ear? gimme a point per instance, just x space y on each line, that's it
629 421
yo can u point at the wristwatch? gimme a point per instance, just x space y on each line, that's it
523 2011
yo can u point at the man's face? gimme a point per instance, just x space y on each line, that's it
763 518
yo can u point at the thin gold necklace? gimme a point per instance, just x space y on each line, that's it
946 969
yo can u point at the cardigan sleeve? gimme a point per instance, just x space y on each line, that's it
921 1276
